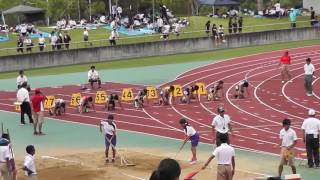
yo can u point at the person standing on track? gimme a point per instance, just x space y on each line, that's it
288 139
108 127
284 64
37 101
21 79
193 136
221 125
308 76
23 97
225 155
311 130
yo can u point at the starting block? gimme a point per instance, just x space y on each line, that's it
292 177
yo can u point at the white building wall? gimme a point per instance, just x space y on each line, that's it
314 3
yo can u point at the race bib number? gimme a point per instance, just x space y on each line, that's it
127 94
152 93
178 92
101 97
75 99
49 102
202 89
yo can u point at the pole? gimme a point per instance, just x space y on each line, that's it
48 19
90 10
110 4
3 20
79 15
153 11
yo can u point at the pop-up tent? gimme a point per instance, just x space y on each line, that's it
219 2
31 13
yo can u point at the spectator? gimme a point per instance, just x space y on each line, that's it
221 33
66 39
235 25
59 42
293 17
278 9
240 22
215 33
28 43
168 169
41 42
86 36
29 165
20 44
230 25
113 36
160 24
53 40
312 16
207 26
166 31
119 11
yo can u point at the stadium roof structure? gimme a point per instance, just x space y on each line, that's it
23 9
218 2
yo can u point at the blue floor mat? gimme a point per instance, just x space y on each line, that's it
132 32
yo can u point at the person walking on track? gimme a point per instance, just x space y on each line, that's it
308 76
24 99
225 155
38 108
288 139
221 125
284 64
311 130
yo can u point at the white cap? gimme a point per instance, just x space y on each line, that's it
311 112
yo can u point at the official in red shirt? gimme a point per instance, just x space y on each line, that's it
284 64
37 108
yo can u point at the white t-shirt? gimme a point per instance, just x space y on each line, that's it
21 80
288 137
107 128
30 164
221 124
93 75
114 35
311 125
308 69
277 6
224 154
42 40
86 33
4 153
23 95
190 131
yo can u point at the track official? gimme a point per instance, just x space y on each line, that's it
23 97
221 125
311 129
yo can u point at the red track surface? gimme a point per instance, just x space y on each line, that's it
256 120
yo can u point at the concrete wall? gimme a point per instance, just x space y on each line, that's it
98 54
314 3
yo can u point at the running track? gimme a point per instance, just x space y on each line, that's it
256 120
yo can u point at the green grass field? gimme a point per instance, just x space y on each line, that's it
100 36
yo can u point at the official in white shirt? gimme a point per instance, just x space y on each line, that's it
308 76
311 130
29 165
4 160
109 128
24 99
225 155
21 79
288 140
93 76
221 125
